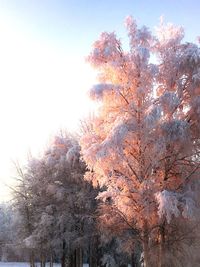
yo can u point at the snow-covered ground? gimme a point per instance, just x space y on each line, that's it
26 264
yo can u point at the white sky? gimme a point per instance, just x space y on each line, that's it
42 90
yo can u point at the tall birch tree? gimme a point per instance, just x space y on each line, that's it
142 148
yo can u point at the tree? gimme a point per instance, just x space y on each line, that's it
6 217
143 146
60 201
23 219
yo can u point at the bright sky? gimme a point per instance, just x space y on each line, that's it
43 75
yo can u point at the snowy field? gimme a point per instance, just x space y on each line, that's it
26 264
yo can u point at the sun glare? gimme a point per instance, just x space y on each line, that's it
42 90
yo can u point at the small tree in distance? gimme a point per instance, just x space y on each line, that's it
142 148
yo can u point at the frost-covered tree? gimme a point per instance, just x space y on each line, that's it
6 237
23 219
61 201
142 147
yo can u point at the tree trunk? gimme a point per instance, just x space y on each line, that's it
42 260
51 260
146 249
79 257
72 260
95 253
32 259
63 259
161 248
92 256
146 254
133 260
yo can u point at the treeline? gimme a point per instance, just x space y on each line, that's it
54 214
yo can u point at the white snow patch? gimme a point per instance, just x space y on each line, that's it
26 264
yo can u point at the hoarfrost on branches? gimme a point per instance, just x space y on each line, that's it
97 91
169 101
176 130
143 145
108 261
170 203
